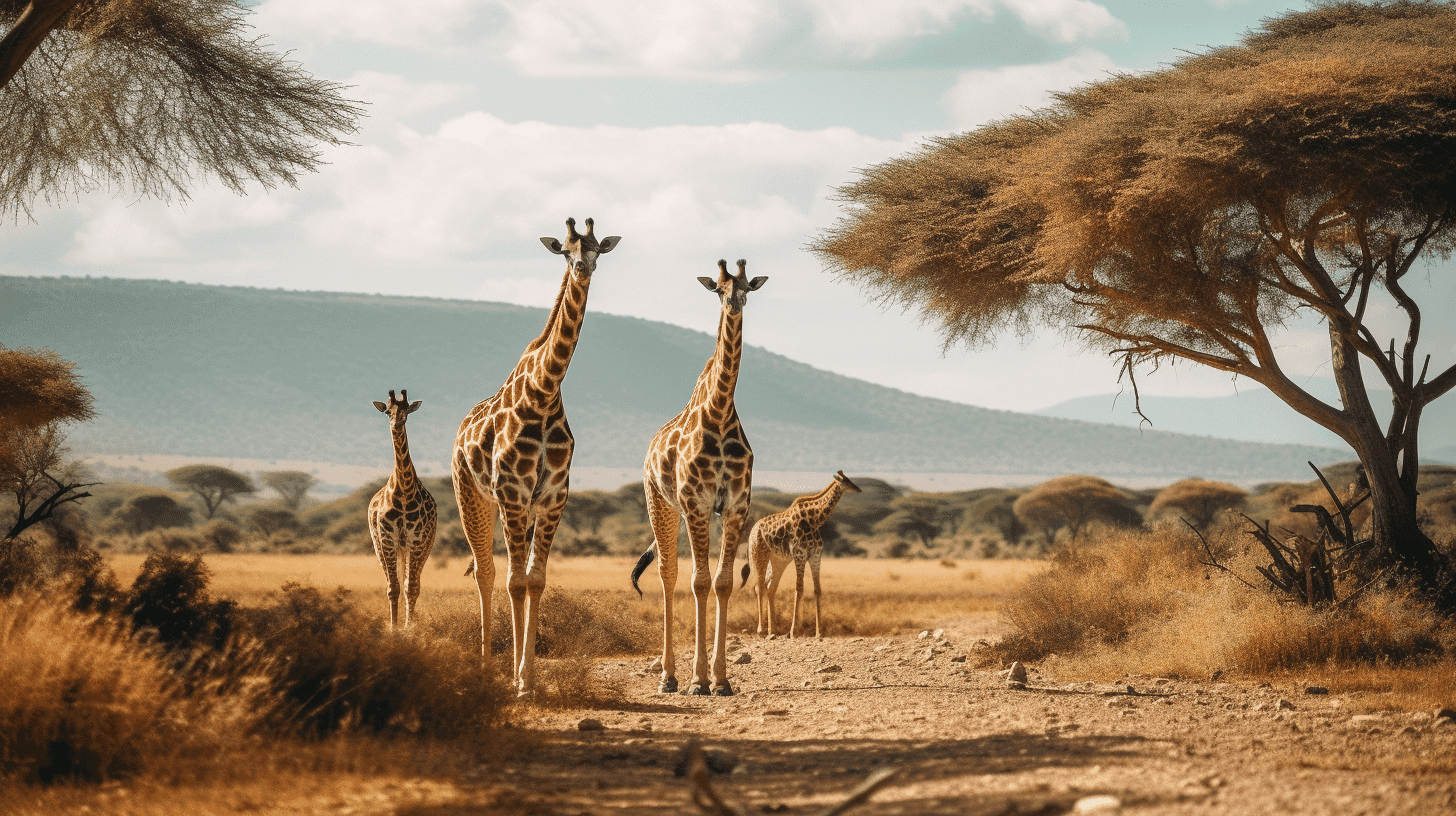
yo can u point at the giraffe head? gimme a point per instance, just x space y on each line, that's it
581 249
844 482
398 409
733 290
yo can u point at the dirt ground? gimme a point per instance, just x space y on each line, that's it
812 718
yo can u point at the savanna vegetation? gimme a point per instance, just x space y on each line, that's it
1190 213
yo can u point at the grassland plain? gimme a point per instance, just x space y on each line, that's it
897 684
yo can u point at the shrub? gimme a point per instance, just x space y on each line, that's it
85 699
149 511
169 601
339 670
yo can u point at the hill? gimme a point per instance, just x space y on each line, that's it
273 374
1256 415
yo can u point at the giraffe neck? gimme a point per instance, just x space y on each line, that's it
720 377
548 356
820 505
403 477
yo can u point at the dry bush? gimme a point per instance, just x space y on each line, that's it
87 700
1142 604
1097 594
341 670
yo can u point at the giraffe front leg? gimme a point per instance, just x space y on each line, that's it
414 570
544 530
722 591
758 554
697 524
477 517
814 568
664 523
798 593
517 534
387 553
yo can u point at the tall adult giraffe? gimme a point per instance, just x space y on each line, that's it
699 464
512 455
402 515
792 534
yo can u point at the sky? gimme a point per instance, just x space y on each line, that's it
694 129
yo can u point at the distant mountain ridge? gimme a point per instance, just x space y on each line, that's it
274 374
1256 415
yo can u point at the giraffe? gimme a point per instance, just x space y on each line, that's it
699 464
792 533
402 515
512 454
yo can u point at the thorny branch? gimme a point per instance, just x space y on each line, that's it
708 801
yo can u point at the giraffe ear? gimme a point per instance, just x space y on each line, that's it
414 406
608 244
756 283
709 284
381 406
552 245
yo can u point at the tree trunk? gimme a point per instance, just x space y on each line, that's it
1397 535
31 27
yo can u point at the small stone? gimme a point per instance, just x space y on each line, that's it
1284 705
1098 806
923 635
1316 690
928 655
938 634
743 659
1445 714
589 724
1017 673
1257 707
828 669
655 665
958 659
1216 675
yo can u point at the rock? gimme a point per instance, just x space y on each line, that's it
655 665
1016 674
938 634
923 635
743 659
1257 707
1216 675
828 669
1445 714
1098 806
958 659
589 724
929 654
1316 690
1284 705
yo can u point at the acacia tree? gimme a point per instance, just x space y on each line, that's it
1198 500
291 485
148 94
39 394
1192 212
1073 502
212 484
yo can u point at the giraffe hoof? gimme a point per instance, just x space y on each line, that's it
668 686
700 690
722 689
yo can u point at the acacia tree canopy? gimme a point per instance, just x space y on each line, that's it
1191 212
212 484
150 95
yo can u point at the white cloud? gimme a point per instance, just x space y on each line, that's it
723 40
979 97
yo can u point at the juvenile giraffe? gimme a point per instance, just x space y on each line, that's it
699 464
402 515
792 533
512 454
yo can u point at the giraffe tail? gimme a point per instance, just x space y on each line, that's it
642 564
470 570
746 568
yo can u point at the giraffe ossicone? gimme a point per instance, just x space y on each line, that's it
402 516
700 464
512 456
792 534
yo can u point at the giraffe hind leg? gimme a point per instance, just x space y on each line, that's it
477 517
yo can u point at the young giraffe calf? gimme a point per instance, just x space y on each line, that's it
402 515
792 533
